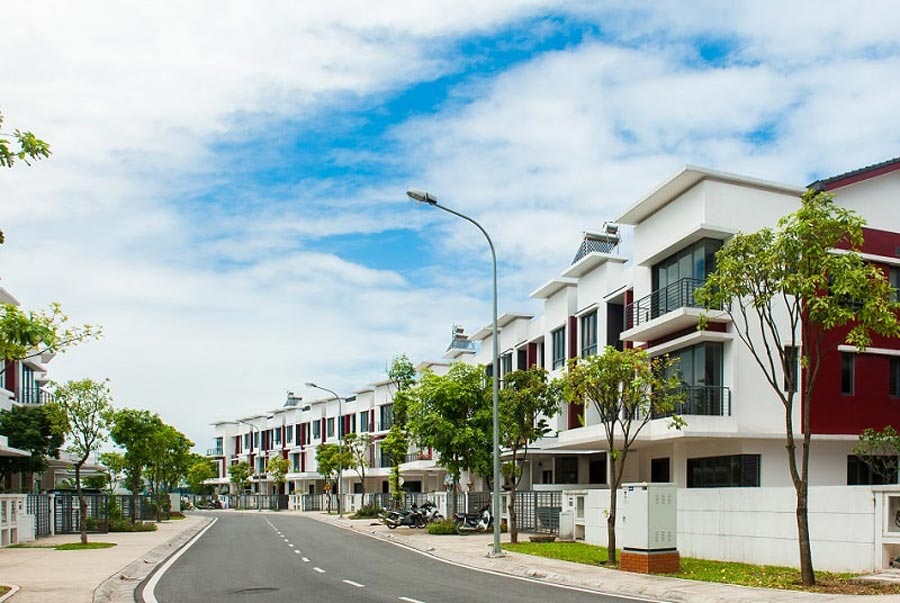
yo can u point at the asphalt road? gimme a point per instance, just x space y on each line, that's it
267 558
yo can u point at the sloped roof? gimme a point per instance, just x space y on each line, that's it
857 175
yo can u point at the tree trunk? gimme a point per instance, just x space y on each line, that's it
611 525
806 566
82 503
513 522
452 494
134 497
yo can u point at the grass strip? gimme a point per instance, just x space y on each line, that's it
77 546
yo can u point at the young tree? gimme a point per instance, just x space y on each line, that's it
134 431
35 429
785 289
28 146
201 470
328 463
239 474
115 462
451 414
402 374
168 465
278 468
628 389
527 401
356 447
26 335
86 408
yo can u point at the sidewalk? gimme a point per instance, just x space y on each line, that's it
472 551
111 574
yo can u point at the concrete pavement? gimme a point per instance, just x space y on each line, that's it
101 575
472 551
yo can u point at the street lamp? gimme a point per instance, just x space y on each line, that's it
340 447
428 198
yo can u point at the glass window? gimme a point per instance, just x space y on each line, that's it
878 471
277 433
256 439
894 277
247 440
364 421
316 430
289 434
734 471
894 378
847 370
694 262
386 413
506 363
589 334
329 427
559 347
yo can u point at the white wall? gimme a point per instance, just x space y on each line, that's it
875 199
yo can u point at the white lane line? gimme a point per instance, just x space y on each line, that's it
291 545
305 559
286 540
149 590
319 569
297 551
352 583
410 600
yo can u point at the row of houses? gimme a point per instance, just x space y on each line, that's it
734 436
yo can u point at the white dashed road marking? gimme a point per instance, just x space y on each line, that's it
319 569
305 559
296 551
410 600
352 583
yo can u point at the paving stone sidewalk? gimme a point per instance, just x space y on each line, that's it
473 551
99 575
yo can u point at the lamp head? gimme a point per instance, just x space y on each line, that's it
421 196
311 384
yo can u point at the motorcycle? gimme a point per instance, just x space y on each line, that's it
482 521
431 512
411 517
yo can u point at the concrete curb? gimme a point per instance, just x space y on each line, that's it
120 587
13 589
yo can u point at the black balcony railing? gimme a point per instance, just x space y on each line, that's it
34 395
214 452
704 400
679 294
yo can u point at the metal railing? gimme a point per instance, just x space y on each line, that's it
214 452
679 294
35 395
538 511
704 400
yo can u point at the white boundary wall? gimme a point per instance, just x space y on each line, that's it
758 525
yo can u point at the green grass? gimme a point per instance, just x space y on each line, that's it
77 546
31 545
725 572
4 590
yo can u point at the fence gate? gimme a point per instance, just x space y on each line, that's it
68 514
538 511
39 506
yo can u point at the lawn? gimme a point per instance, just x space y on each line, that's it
77 546
743 574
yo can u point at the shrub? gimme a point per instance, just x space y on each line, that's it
123 525
365 512
445 526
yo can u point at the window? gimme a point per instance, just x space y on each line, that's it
660 470
847 369
256 439
386 416
894 277
28 390
364 421
894 378
246 440
791 372
506 364
567 470
735 471
289 434
316 429
329 427
589 334
277 433
878 471
676 277
559 347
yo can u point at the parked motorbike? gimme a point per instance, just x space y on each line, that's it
430 511
411 517
482 521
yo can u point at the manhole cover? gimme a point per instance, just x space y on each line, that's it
253 591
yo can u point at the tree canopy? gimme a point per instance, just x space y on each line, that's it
38 430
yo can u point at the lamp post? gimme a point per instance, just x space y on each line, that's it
340 420
429 199
252 463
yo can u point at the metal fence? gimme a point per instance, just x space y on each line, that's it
250 501
67 513
538 511
39 505
145 507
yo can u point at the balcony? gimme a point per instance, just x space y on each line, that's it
34 395
214 452
702 400
667 310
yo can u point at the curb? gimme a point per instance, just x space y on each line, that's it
13 589
120 587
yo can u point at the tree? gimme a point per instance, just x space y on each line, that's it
880 450
402 374
168 465
527 401
29 147
134 431
239 474
278 468
786 289
628 389
115 462
451 414
85 408
32 334
356 447
328 463
35 429
200 470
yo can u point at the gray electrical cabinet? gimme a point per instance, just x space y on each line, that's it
649 517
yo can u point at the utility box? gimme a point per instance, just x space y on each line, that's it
567 525
649 528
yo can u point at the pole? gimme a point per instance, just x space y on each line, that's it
252 460
339 421
496 550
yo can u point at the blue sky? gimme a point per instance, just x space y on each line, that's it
226 194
